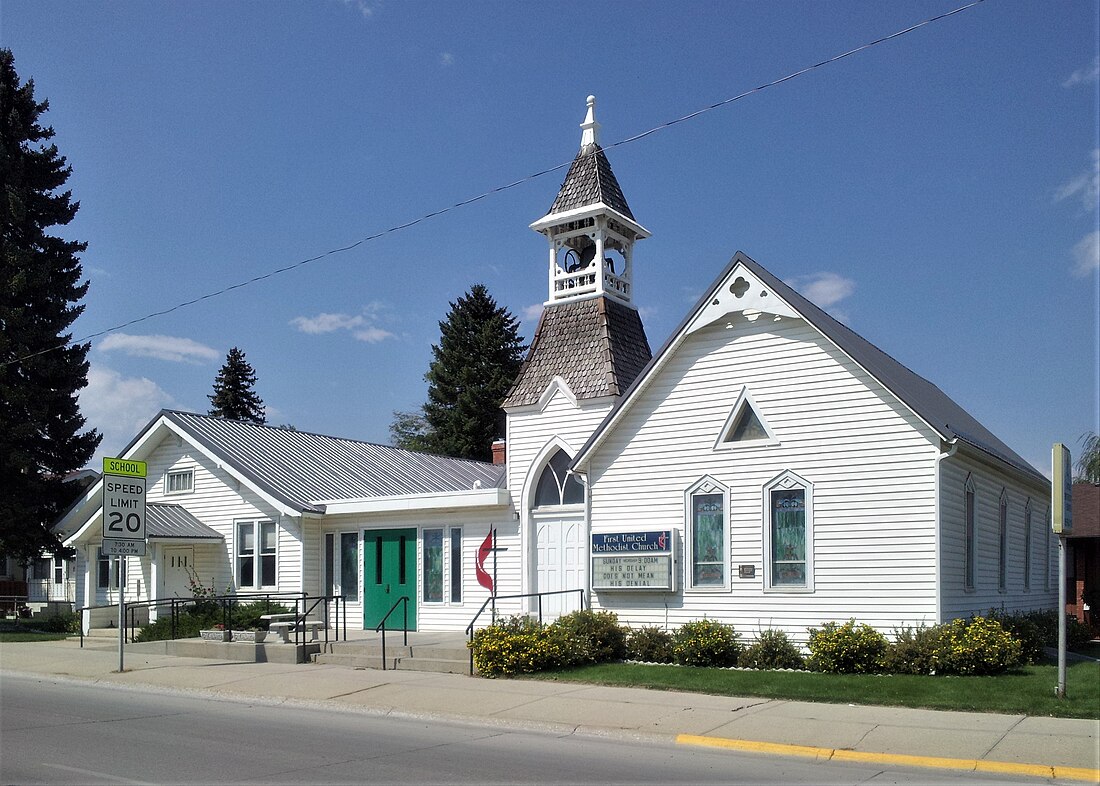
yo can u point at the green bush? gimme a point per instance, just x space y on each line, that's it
913 651
977 646
516 645
847 648
1038 629
772 649
598 633
651 645
62 621
706 643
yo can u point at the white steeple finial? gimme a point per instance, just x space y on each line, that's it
590 129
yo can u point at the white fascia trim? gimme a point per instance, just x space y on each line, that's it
589 211
444 500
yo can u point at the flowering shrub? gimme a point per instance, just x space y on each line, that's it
847 648
598 632
1038 629
913 651
977 646
706 643
651 645
512 646
772 650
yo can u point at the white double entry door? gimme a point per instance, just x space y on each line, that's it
561 561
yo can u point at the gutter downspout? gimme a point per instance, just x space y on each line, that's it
952 448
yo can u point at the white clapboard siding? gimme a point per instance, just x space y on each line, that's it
958 601
871 462
449 614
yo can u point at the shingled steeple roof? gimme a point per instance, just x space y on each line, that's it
590 181
596 346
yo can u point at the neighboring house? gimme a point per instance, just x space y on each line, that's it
1083 557
767 467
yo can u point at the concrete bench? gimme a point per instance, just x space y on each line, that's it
283 628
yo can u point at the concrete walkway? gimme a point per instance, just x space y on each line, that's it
1052 748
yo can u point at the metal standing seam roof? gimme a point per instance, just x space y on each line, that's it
589 182
929 402
300 468
597 346
172 521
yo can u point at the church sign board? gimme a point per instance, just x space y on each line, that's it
632 561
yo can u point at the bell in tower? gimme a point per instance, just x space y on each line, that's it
590 227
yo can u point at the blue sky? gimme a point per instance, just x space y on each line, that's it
938 192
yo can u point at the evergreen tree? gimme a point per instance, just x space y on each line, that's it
473 366
234 396
41 428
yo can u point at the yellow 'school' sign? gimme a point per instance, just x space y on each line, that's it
129 467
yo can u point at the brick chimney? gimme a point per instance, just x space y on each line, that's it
500 451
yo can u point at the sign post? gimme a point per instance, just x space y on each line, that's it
124 530
1062 523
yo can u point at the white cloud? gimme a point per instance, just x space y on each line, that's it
171 348
1086 185
326 323
373 335
1084 76
532 313
362 326
446 59
824 289
119 407
364 8
1086 255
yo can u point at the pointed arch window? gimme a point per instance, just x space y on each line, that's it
556 486
745 426
1027 544
789 534
1002 542
708 535
969 516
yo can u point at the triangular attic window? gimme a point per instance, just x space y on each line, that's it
745 426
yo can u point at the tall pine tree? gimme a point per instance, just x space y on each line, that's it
473 366
234 395
41 428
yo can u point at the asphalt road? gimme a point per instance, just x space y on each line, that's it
74 733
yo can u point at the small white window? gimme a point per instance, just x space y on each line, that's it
745 427
179 481
256 555
788 534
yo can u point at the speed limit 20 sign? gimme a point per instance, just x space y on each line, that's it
123 507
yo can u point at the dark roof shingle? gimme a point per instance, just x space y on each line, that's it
588 182
597 346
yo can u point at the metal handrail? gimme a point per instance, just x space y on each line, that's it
381 626
493 600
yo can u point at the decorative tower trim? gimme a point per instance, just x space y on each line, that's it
590 228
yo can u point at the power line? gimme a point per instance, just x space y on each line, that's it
499 189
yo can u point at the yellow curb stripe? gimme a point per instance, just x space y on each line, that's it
936 762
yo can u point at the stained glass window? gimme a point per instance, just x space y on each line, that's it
788 537
433 566
556 486
708 542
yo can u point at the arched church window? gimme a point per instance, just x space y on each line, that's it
556 486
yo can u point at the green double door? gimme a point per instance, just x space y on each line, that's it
389 572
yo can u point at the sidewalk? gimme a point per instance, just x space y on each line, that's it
1062 749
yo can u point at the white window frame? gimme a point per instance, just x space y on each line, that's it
1002 541
423 567
1027 545
744 401
970 534
114 565
706 485
454 570
179 473
334 574
788 481
257 554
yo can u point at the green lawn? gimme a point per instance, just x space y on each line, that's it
29 635
1027 692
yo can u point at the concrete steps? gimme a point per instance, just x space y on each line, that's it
441 657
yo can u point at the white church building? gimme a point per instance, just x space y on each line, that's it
766 467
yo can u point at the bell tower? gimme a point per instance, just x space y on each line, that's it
590 338
590 228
